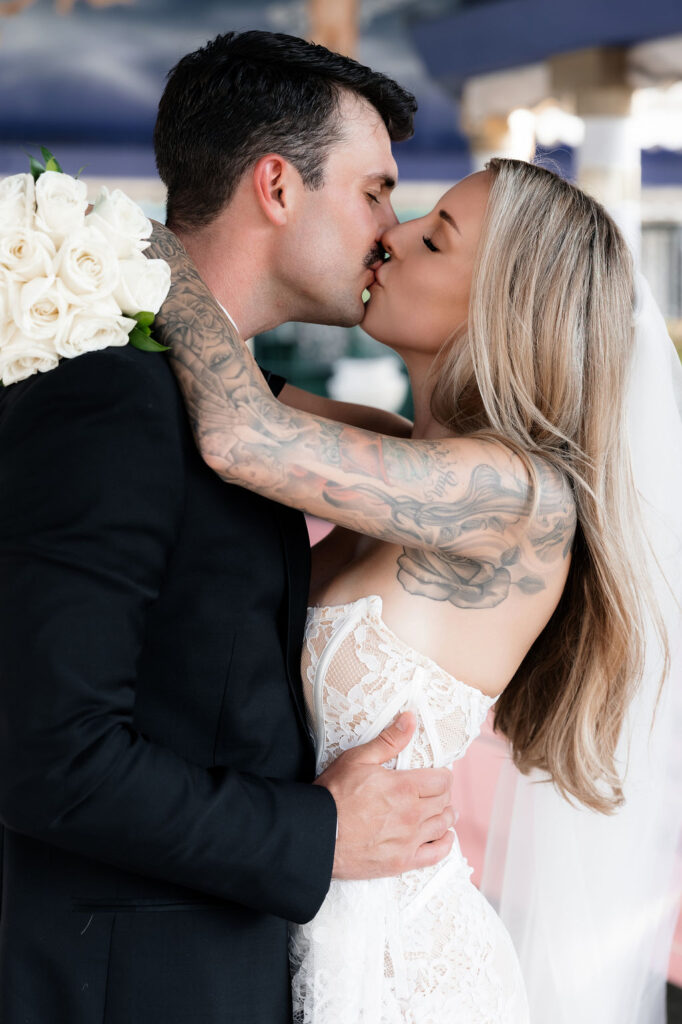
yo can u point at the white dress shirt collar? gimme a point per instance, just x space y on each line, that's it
229 318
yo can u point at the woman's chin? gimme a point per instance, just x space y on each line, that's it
371 322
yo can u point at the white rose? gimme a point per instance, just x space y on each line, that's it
87 264
143 285
62 202
41 309
26 253
5 312
16 202
20 357
121 221
90 331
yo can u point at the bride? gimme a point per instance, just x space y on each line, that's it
494 559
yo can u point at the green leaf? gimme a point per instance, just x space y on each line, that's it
51 162
530 584
36 167
510 556
80 171
144 319
138 339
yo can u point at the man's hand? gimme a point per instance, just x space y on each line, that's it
389 821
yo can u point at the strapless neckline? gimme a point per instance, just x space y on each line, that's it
375 607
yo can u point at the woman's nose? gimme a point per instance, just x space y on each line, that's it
391 239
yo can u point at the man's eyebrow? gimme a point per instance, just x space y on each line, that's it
386 180
444 215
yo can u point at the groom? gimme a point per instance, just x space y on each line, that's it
160 825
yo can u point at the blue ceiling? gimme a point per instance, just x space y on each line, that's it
99 73
88 84
489 35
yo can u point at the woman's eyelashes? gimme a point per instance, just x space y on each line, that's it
429 244
374 198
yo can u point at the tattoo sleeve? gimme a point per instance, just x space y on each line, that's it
459 507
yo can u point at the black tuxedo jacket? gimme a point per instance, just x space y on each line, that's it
155 768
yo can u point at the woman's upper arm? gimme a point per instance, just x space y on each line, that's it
456 496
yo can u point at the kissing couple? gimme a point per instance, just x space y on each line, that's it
225 775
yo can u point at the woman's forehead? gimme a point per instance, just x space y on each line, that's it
468 198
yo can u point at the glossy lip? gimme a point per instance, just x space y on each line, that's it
378 271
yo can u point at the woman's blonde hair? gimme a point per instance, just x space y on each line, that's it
543 367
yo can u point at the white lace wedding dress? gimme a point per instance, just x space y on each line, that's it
426 947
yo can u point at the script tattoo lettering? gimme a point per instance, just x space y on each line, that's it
464 527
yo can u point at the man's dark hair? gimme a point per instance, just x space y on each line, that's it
247 94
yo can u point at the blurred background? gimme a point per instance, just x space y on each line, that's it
591 88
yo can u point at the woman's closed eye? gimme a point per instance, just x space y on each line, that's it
429 244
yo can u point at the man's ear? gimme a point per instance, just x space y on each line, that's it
275 182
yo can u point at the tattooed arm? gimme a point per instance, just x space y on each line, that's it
467 499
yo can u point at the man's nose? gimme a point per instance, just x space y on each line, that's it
388 217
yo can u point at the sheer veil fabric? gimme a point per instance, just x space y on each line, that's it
591 900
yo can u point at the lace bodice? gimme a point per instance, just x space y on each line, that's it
358 675
425 947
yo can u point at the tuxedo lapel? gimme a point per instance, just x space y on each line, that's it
296 548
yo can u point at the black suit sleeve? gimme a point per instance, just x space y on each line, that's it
91 485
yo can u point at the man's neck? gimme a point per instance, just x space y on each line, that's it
240 283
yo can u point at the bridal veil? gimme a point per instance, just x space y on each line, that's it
591 900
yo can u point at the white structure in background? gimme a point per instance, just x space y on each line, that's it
593 84
657 113
554 125
486 104
655 69
609 166
608 104
608 160
379 382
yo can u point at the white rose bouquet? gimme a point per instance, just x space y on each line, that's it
71 282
